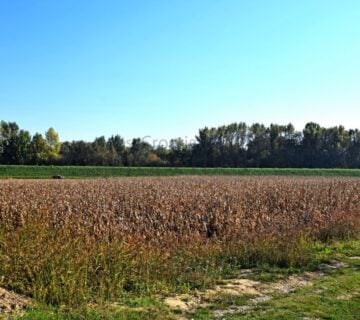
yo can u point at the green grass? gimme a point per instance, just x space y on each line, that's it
151 312
335 296
126 309
8 171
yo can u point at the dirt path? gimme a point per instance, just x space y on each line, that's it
12 302
244 286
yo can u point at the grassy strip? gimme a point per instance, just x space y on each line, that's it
132 309
63 268
336 296
8 171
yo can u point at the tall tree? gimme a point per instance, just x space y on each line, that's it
14 144
54 145
258 149
39 149
138 153
205 151
312 145
180 153
353 151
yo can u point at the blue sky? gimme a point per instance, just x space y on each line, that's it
166 68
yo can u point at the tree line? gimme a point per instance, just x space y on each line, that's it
234 145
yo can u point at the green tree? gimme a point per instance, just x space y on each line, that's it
39 149
259 146
312 145
14 144
206 150
138 153
54 145
180 152
353 151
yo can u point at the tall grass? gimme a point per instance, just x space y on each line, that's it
58 268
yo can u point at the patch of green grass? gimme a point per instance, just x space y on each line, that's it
140 302
21 171
225 300
269 274
48 314
136 308
335 297
201 314
219 302
320 253
336 249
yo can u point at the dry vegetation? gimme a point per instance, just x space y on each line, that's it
80 241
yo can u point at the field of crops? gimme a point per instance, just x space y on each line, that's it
157 209
76 241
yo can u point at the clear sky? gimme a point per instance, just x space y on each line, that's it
166 68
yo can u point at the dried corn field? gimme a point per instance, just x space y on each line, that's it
157 209
79 241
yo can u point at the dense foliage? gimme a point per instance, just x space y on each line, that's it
234 145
